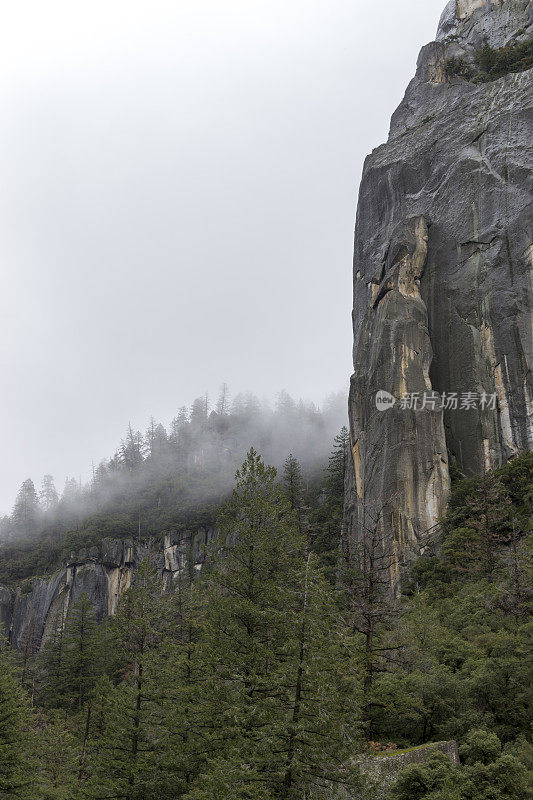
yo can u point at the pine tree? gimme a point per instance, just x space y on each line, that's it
182 667
48 495
372 608
50 669
15 763
475 544
326 520
223 400
127 757
81 662
132 449
275 652
294 489
71 659
58 758
26 509
337 466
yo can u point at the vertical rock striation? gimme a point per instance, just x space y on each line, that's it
30 614
443 267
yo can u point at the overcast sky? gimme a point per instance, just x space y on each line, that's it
177 200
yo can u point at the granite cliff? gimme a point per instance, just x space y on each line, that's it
29 613
443 266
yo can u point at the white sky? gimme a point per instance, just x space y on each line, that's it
177 202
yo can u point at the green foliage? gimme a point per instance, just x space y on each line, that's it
419 781
494 63
58 762
262 678
487 775
463 636
480 745
326 515
71 659
485 529
491 64
292 482
286 704
129 737
15 759
458 67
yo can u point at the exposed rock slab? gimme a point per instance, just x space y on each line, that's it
443 266
29 615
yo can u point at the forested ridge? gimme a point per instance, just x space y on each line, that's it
267 675
163 479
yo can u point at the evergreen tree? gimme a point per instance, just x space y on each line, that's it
58 758
199 411
48 495
365 580
132 449
294 489
474 545
26 509
223 400
326 519
81 661
276 655
15 763
127 757
71 659
183 669
50 668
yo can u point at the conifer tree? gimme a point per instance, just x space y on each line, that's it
294 489
371 605
71 658
50 669
48 495
58 757
26 508
275 652
81 662
326 520
182 667
16 771
127 756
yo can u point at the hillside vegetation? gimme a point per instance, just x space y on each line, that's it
261 680
163 479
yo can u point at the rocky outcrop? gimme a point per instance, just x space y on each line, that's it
380 771
443 273
28 615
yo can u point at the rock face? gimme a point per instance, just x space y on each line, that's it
29 615
443 278
381 771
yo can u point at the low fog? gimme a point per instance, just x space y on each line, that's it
177 206
159 477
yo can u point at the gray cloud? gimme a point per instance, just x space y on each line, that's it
177 201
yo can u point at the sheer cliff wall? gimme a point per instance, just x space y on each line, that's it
443 266
29 614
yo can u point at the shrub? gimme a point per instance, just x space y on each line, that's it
458 68
495 63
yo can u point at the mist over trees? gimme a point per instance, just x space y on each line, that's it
194 457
